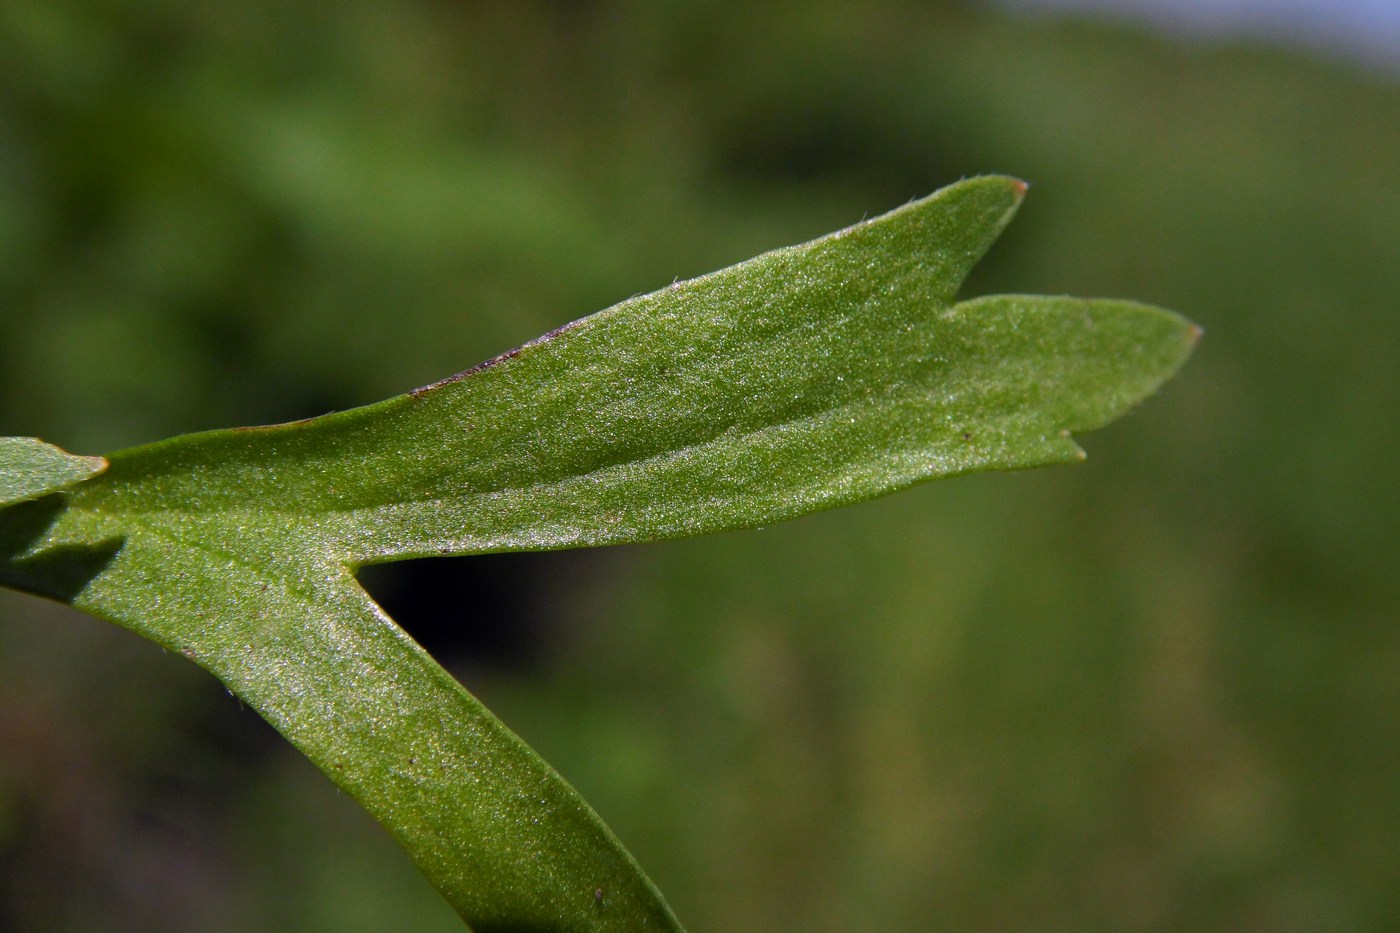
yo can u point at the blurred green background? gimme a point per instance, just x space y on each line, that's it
1157 691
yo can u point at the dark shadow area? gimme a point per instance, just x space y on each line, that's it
828 143
58 572
501 611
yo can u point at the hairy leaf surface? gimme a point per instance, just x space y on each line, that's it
30 468
803 379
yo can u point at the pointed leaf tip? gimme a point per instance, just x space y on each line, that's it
939 238
30 468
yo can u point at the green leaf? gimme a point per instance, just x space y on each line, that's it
803 379
30 468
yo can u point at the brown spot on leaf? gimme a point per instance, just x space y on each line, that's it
495 360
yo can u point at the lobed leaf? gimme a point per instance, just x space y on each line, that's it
806 378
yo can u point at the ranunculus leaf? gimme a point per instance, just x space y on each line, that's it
803 379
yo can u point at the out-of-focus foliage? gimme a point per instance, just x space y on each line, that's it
1154 692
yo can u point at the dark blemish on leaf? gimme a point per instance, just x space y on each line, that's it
458 377
966 436
495 360
562 328
283 426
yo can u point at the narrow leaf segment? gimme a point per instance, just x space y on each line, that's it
803 379
30 468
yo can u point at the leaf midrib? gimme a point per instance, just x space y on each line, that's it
320 547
